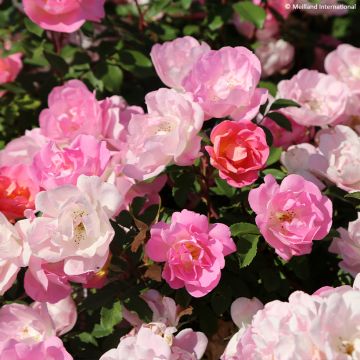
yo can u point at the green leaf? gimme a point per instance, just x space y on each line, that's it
269 135
270 86
274 156
87 338
250 12
57 63
247 249
216 23
280 120
33 28
283 103
244 228
223 188
278 174
108 319
113 79
354 195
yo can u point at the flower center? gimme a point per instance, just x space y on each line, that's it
193 250
29 334
347 347
355 71
285 216
79 228
163 128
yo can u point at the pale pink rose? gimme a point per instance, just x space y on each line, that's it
336 330
243 310
10 66
279 331
344 64
74 226
305 160
17 191
348 247
275 56
65 16
156 341
291 215
116 114
322 98
329 7
27 333
23 149
224 83
12 253
239 151
54 166
340 147
167 134
63 314
193 251
73 110
174 59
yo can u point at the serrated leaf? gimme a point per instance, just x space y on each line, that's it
244 228
108 319
87 338
280 120
283 103
250 12
247 249
268 134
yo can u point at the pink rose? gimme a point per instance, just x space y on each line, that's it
116 114
156 341
73 110
275 56
17 191
74 226
13 256
167 134
63 314
239 152
65 16
27 333
224 83
174 59
304 160
193 251
291 215
46 282
323 99
23 149
54 166
344 64
348 247
340 148
10 67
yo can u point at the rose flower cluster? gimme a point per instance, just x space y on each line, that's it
65 183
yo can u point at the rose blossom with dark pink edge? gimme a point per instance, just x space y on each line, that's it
291 215
193 251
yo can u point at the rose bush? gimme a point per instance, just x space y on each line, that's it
179 180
